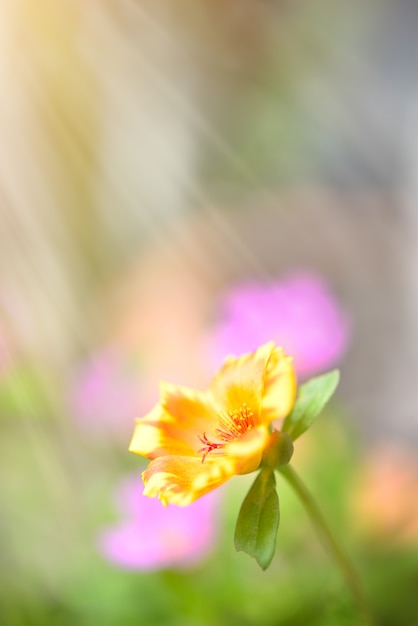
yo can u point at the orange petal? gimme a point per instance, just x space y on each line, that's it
174 425
181 480
240 381
193 411
156 434
279 387
248 451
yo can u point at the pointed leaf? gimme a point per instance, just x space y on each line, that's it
313 396
258 519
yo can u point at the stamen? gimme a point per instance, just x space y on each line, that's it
232 427
209 446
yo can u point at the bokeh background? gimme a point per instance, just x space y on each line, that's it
181 180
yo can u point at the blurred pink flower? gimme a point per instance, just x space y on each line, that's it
153 537
298 313
105 395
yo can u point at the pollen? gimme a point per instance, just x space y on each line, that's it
232 426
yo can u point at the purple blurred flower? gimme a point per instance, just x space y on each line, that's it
105 393
298 313
153 537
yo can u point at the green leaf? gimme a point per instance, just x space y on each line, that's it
258 519
313 396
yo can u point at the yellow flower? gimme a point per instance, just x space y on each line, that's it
198 440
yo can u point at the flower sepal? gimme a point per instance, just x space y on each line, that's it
279 450
258 519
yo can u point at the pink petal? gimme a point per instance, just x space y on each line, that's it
298 313
156 537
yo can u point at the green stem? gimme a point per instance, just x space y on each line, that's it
329 542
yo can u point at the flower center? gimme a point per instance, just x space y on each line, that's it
232 426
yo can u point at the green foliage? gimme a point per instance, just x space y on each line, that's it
312 398
21 392
258 519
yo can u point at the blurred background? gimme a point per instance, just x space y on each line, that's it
181 180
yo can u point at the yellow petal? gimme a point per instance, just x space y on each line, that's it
193 411
181 480
156 434
248 451
280 385
240 381
174 425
